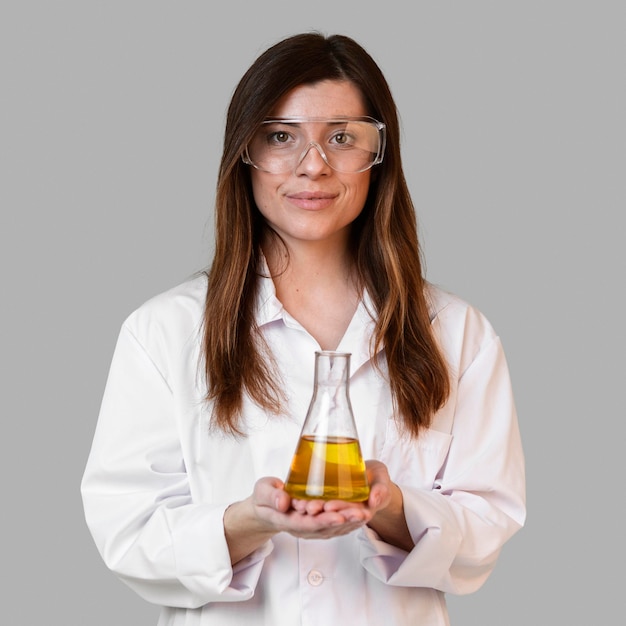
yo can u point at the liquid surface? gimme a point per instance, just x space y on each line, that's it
328 469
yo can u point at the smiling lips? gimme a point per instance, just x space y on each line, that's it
311 199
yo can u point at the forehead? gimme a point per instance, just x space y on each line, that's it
329 98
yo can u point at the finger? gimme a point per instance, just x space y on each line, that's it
380 494
269 492
313 507
339 505
357 513
299 505
282 500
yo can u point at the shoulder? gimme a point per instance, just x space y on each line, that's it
446 307
462 330
173 314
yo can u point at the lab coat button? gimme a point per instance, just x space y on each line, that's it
315 578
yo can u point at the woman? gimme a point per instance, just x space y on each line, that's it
316 248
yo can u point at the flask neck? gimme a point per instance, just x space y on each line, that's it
332 369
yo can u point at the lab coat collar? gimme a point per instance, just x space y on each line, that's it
357 337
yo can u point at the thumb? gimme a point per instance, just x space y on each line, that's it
269 492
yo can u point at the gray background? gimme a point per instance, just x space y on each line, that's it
514 146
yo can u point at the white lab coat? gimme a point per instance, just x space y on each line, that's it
158 479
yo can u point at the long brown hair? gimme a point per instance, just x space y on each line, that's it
384 242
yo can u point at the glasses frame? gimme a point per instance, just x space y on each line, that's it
380 127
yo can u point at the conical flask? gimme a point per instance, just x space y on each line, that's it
327 464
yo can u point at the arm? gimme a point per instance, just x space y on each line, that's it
137 497
477 501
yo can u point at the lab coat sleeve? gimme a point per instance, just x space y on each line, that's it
477 501
136 495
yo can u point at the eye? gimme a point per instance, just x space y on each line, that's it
342 139
278 136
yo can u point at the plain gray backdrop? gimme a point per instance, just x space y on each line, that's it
514 145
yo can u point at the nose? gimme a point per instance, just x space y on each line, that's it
312 162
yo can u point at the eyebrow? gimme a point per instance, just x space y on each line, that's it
296 121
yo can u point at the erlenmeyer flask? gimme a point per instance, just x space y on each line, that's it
327 464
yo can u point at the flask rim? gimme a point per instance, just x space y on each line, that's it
332 353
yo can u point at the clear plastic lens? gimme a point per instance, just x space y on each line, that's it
347 145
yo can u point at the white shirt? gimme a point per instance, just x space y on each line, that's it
158 479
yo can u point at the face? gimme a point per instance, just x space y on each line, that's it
313 203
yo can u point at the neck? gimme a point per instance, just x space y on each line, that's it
317 285
311 261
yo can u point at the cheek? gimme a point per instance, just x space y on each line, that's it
263 192
359 190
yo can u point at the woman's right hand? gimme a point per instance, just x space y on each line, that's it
248 524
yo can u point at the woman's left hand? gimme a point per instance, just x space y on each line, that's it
383 511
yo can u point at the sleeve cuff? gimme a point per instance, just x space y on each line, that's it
203 559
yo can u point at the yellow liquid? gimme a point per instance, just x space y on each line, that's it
328 469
